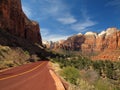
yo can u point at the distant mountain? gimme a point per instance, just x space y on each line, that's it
93 44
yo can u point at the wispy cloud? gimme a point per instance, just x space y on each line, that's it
48 36
44 32
67 20
56 37
58 10
85 24
114 3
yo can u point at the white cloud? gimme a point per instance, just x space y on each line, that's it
55 37
47 36
68 20
58 10
44 31
85 24
27 11
50 8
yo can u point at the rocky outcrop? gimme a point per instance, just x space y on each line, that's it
107 39
32 32
93 44
89 43
14 21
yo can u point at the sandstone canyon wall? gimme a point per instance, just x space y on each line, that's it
105 45
14 21
93 42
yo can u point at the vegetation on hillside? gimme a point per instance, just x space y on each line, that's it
11 57
86 74
71 74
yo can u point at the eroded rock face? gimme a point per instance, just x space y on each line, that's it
89 43
13 20
73 43
107 39
32 32
118 35
93 43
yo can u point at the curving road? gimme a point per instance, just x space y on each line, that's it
33 76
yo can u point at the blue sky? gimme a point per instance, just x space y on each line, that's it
59 19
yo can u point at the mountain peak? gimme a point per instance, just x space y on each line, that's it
110 31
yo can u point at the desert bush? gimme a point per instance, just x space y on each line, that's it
71 74
83 85
26 52
103 85
6 64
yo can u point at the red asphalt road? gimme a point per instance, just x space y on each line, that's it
33 76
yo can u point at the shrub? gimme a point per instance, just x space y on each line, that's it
103 85
83 85
71 74
27 53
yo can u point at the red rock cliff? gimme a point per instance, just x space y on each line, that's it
13 20
106 44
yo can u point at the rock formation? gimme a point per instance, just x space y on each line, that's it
13 20
93 44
